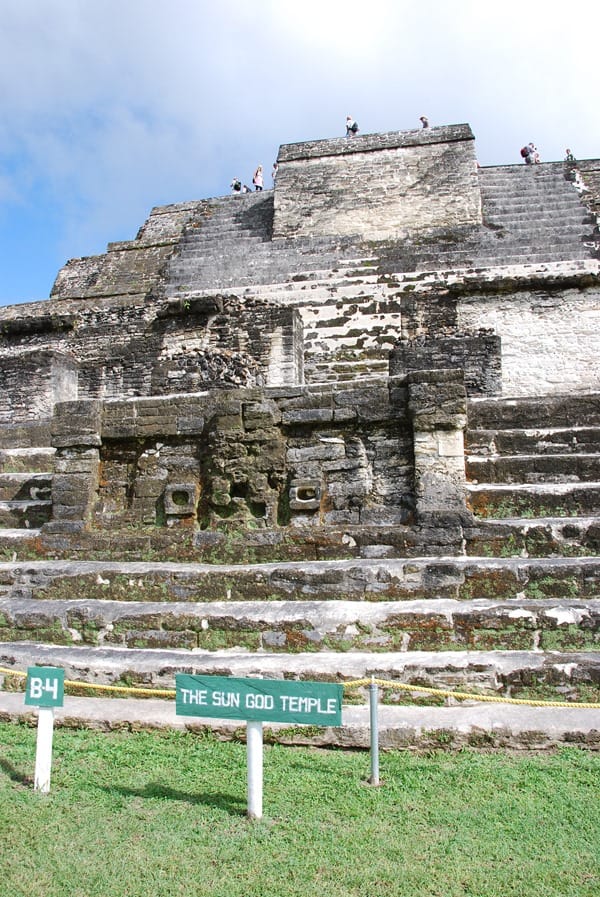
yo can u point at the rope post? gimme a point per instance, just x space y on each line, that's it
373 706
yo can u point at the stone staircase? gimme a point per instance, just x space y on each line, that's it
515 613
26 470
230 246
534 457
532 215
347 293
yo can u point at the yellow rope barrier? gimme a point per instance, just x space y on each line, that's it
466 696
356 683
92 686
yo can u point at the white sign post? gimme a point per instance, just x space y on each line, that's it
45 690
254 752
255 701
43 751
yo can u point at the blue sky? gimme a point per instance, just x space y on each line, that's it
110 107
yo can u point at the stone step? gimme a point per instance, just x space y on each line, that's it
218 278
534 499
539 468
361 579
546 203
525 413
535 177
25 486
24 513
534 537
25 435
550 208
419 282
543 441
15 543
488 253
299 272
486 537
556 192
545 208
299 626
235 238
415 281
21 460
518 230
509 253
212 276
554 675
468 725
446 264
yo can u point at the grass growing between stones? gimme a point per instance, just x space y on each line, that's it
143 814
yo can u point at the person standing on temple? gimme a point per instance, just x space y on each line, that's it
258 180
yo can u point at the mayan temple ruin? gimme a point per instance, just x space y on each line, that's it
347 427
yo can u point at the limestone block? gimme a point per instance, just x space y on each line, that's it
305 495
181 499
437 400
410 180
308 416
550 345
258 415
70 462
77 423
148 487
322 451
189 425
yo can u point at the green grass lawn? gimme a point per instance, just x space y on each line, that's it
151 815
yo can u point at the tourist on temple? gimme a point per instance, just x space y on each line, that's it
258 180
351 127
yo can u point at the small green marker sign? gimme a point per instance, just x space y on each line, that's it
273 700
45 687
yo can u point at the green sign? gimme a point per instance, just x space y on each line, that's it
45 687
273 700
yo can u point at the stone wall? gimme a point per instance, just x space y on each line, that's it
536 336
550 338
32 381
478 356
262 458
587 175
382 453
132 348
379 186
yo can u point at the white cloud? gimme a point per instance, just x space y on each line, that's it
112 106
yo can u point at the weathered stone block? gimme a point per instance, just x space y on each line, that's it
410 180
305 495
77 423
